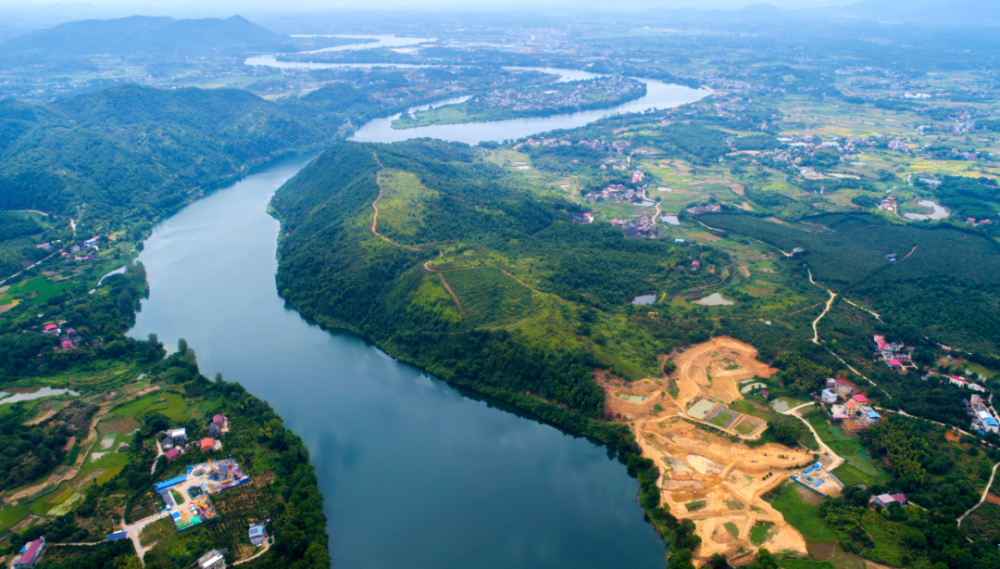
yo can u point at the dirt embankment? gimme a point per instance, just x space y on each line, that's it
706 477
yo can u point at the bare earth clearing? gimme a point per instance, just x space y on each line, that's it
707 478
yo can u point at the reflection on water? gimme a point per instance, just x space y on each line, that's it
16 394
644 298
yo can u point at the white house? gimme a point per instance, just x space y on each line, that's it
829 396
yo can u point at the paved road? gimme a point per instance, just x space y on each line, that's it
134 530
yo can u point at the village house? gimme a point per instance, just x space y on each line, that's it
829 396
955 380
843 387
257 534
214 559
30 554
885 500
172 454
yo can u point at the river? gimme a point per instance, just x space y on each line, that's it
416 473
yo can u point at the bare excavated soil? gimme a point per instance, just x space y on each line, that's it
719 480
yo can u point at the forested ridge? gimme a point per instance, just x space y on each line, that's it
131 150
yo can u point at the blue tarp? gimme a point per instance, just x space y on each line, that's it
116 536
161 486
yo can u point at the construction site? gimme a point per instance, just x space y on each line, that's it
681 422
187 496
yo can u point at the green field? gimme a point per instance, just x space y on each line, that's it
802 516
859 469
761 532
11 516
171 405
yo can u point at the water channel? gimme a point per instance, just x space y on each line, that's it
415 473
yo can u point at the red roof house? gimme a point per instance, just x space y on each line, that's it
860 398
207 444
219 420
172 454
66 344
32 552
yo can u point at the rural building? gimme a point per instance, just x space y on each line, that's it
178 435
30 554
214 559
955 380
884 500
977 387
219 420
172 454
861 399
829 396
843 388
214 431
838 411
873 417
207 444
257 534
167 443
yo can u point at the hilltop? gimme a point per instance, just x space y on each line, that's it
144 35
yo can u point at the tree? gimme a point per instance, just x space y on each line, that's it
763 560
182 346
718 561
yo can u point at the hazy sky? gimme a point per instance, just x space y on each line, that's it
174 6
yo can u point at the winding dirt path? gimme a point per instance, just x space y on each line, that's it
835 459
986 493
829 303
264 548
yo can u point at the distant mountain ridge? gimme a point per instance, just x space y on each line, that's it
146 35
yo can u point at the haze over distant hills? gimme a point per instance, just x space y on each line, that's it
144 35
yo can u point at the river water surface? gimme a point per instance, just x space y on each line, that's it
416 474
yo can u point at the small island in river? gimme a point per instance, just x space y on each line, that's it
536 101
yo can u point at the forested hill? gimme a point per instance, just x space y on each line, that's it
137 150
478 279
143 35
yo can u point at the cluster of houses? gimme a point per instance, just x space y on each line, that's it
961 382
175 441
983 420
68 338
856 412
641 226
617 192
892 353
705 209
89 247
971 222
585 92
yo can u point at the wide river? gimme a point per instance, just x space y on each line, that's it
416 473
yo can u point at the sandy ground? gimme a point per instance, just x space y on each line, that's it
45 415
699 466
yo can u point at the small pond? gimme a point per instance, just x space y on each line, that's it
714 299
645 203
631 398
671 219
752 386
645 298
783 404
15 394
937 212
